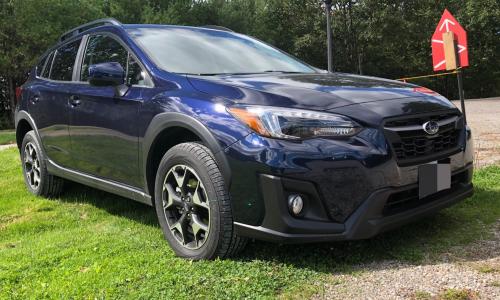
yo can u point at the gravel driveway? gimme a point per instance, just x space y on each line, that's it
475 272
483 116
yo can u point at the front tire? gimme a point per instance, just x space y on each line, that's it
38 181
193 206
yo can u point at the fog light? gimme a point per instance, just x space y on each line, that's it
295 204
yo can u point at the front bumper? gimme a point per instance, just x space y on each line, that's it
375 215
353 189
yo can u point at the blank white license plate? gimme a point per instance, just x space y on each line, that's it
432 178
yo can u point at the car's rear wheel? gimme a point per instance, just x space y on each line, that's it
193 205
37 179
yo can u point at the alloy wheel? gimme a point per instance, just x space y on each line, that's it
32 166
186 207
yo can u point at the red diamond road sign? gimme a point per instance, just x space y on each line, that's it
449 23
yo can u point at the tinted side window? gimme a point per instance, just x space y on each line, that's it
46 70
64 62
101 49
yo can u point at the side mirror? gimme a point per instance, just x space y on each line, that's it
108 74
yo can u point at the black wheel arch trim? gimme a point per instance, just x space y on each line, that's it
23 115
167 120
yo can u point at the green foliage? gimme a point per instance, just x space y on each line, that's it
90 244
29 27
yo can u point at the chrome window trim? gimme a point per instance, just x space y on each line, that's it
419 127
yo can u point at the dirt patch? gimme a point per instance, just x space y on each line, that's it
3 147
6 221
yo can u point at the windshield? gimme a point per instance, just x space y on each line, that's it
212 52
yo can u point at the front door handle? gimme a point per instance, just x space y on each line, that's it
74 101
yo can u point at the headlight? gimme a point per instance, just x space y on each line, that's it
286 123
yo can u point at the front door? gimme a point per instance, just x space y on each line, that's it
103 126
49 102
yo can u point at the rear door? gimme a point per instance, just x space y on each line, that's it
103 126
48 103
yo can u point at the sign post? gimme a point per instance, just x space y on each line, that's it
449 50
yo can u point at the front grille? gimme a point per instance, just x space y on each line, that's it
412 145
408 199
417 143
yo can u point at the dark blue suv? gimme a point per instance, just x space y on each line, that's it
230 139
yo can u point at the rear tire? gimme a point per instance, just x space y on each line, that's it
38 181
193 205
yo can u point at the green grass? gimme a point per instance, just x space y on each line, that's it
7 137
488 269
421 295
454 294
90 244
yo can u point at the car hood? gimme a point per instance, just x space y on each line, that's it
312 91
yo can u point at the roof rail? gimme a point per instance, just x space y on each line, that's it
87 26
217 27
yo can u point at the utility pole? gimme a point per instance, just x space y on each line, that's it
328 9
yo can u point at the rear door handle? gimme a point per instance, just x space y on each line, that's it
35 99
74 101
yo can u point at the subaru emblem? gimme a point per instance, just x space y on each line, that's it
431 127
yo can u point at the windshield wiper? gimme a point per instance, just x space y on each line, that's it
241 73
284 72
227 74
198 74
214 74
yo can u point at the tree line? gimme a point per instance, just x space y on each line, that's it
386 38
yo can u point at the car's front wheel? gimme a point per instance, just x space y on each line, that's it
193 206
